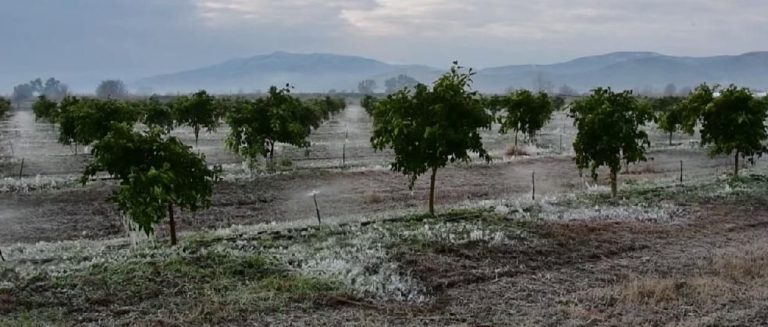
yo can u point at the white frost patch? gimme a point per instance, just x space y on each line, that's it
37 183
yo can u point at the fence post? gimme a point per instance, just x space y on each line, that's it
21 169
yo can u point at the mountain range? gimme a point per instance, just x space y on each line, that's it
318 72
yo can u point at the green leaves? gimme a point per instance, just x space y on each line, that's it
524 111
256 125
734 121
155 171
429 127
85 121
156 114
5 106
692 107
197 111
45 109
609 131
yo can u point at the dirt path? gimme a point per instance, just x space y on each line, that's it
85 213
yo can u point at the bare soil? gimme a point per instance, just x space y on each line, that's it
590 274
84 212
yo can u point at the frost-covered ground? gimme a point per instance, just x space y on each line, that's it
356 252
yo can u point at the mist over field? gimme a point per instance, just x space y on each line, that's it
383 163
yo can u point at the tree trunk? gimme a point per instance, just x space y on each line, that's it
670 138
515 142
736 166
172 224
197 135
271 150
432 192
614 186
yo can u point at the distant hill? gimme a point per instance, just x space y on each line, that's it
322 72
315 72
632 70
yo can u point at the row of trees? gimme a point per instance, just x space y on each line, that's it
157 172
391 85
428 127
51 88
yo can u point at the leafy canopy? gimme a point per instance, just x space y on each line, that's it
609 130
5 106
155 171
84 121
45 109
693 106
156 114
197 111
256 125
429 127
525 112
735 121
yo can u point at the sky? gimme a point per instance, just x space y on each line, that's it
84 41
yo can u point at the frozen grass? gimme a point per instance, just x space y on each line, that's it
276 264
37 183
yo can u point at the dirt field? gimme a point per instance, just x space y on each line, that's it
366 188
706 268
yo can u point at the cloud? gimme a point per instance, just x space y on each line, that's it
304 13
89 40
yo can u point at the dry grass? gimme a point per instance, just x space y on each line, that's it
726 276
669 291
747 264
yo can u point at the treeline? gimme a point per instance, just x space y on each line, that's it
431 126
427 127
157 172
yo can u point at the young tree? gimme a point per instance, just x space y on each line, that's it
366 87
156 173
23 92
735 123
255 126
54 89
668 113
327 106
609 131
197 111
368 103
400 82
45 109
84 121
5 106
111 89
525 112
156 114
429 127
692 107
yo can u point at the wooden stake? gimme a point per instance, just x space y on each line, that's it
317 210
681 171
21 169
533 185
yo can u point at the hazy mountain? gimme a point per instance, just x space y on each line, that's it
322 72
631 70
307 72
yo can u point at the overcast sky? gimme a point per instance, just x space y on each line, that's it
84 41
